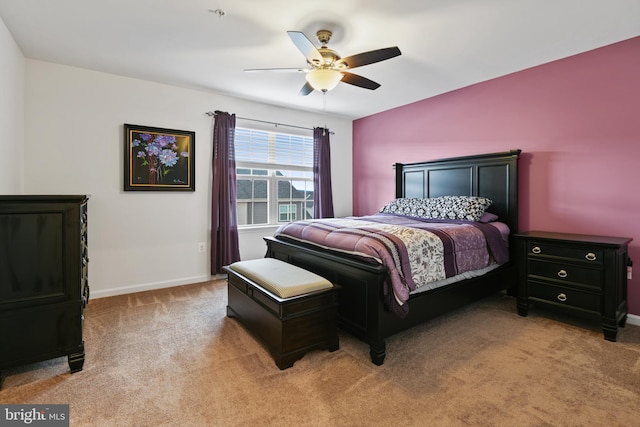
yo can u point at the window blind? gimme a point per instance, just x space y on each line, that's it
254 148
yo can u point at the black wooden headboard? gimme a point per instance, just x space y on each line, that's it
494 176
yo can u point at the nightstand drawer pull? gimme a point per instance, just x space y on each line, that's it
562 273
562 297
590 256
536 250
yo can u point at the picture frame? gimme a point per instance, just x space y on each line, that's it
158 159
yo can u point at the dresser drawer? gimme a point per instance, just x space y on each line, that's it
591 255
562 295
566 272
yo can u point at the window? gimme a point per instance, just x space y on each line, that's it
274 176
287 212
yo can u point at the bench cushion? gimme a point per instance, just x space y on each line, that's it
284 280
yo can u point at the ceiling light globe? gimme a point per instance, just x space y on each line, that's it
324 80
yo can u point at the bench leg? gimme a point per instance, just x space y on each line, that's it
378 351
285 362
230 312
334 344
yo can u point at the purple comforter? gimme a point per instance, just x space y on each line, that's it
415 251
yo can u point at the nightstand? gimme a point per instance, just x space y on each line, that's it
576 273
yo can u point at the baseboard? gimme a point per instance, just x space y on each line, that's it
632 319
152 286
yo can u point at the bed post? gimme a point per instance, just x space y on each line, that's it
399 178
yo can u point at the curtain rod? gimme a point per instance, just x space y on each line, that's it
211 114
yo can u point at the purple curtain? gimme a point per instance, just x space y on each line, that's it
322 196
224 218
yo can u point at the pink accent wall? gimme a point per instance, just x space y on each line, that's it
577 121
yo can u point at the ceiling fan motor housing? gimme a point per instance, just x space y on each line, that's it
324 36
329 56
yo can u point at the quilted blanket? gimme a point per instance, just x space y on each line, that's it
415 251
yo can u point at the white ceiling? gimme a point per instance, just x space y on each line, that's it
445 44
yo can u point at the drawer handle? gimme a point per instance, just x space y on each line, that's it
590 256
536 250
562 273
562 297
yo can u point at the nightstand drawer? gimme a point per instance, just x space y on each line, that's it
566 272
562 295
590 255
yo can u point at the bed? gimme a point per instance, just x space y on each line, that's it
364 310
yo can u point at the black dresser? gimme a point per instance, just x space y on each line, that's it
43 279
576 273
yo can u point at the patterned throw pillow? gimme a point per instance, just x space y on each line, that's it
469 208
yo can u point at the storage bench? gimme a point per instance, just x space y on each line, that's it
291 310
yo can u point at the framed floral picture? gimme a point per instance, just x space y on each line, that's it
157 159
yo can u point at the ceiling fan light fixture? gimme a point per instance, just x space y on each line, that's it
323 79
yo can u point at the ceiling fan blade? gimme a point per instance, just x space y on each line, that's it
306 89
356 80
305 46
283 70
370 57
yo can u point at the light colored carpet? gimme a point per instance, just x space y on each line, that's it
171 357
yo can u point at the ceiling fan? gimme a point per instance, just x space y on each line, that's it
327 68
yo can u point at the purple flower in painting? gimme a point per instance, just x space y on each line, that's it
141 154
164 140
154 149
184 154
135 143
145 137
168 158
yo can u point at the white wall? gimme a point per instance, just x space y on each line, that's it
12 65
141 240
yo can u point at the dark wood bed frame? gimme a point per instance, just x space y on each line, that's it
362 311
